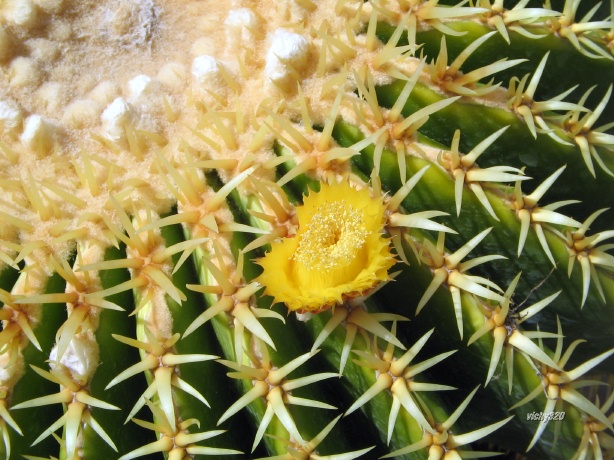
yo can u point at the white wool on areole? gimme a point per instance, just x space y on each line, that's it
11 116
140 85
80 357
144 92
206 71
287 56
241 25
38 134
22 13
116 117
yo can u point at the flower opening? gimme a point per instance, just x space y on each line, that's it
337 253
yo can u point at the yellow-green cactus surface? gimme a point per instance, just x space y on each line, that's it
306 229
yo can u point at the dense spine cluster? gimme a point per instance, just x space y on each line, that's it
324 229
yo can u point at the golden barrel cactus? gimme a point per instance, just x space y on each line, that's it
306 229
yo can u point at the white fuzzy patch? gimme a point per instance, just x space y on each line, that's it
38 134
21 13
206 71
51 96
241 17
115 117
24 71
10 116
81 358
10 374
172 74
140 86
104 92
81 113
241 23
287 55
145 93
51 6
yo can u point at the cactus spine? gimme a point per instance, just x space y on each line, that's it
350 229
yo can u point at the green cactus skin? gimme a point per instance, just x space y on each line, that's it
148 308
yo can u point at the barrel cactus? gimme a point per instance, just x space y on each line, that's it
306 229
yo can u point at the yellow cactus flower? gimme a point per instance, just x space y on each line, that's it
338 252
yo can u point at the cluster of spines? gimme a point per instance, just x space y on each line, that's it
183 189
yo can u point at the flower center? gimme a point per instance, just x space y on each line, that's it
334 236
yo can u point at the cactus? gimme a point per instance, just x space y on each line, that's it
306 229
